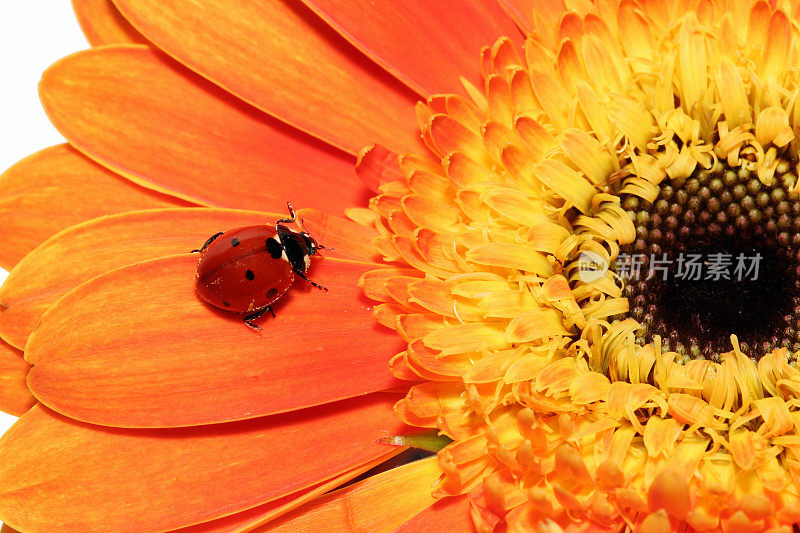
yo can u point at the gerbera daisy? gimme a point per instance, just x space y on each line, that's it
580 264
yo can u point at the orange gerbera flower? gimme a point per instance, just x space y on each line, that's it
581 265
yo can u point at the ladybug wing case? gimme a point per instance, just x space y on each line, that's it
240 272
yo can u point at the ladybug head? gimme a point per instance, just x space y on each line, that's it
299 246
311 245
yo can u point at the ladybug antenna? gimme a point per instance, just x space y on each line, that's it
287 220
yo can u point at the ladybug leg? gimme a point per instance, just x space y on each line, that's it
209 241
317 285
252 316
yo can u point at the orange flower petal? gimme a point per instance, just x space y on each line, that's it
56 188
521 11
84 251
669 491
346 239
137 348
426 45
238 521
15 398
8 529
449 514
61 475
377 165
189 137
379 503
308 76
262 514
102 23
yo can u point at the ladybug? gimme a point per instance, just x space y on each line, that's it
246 270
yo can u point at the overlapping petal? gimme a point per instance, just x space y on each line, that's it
139 480
281 58
428 46
102 23
53 189
188 137
449 514
15 398
521 11
137 348
380 503
86 250
255 517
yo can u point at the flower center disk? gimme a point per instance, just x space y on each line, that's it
716 254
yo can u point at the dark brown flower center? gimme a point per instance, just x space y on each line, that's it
716 255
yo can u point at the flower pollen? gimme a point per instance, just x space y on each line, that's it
602 400
716 255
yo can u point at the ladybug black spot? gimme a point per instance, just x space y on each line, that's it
272 293
249 275
226 304
234 242
274 248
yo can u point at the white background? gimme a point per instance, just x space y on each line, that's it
33 35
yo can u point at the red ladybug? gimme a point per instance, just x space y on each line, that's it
247 270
